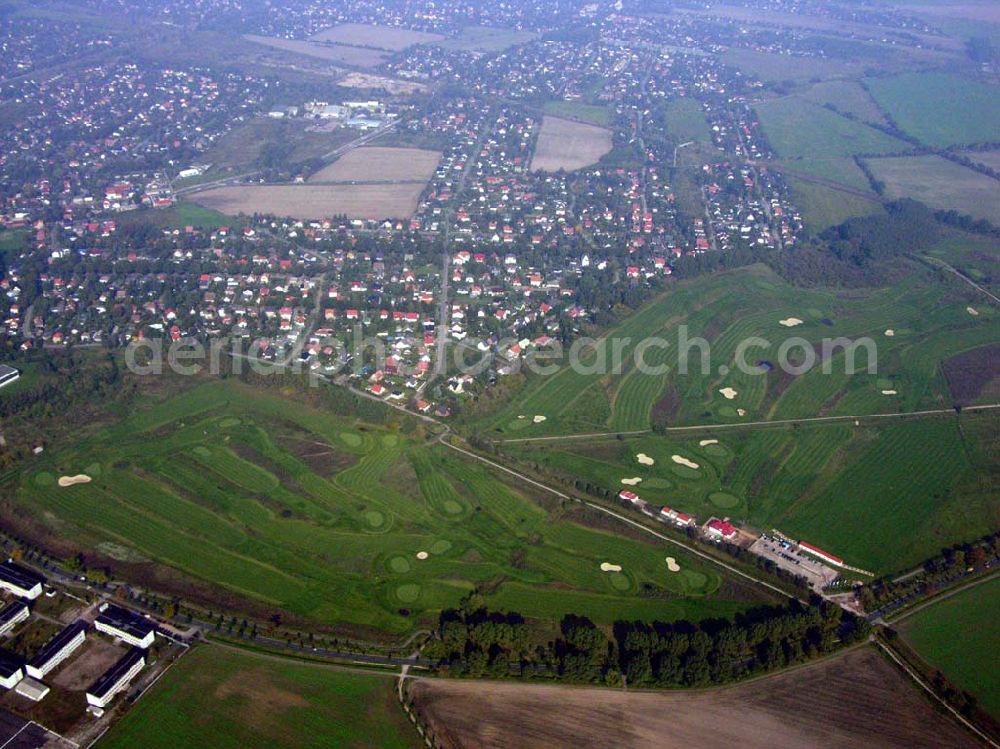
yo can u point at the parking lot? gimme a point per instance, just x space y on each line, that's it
787 558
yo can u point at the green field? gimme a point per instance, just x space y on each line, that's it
823 206
324 517
486 39
940 109
940 184
849 97
771 67
217 698
798 129
595 114
12 240
686 121
960 637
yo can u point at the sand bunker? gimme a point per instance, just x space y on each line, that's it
972 311
538 419
645 459
681 460
741 412
729 393
608 567
890 332
422 555
632 481
80 478
705 443
888 392
672 565
790 322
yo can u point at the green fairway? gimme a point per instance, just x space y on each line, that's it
331 519
940 109
217 698
960 636
927 322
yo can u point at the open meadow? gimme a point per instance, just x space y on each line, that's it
568 145
378 164
486 39
940 184
340 522
686 121
390 38
374 201
799 129
229 700
361 57
849 700
958 636
939 109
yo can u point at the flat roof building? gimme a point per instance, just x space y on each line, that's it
20 581
116 679
56 650
7 375
11 615
123 624
11 669
33 689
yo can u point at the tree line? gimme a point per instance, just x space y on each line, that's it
478 642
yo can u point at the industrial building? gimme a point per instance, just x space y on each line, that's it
116 679
56 650
20 581
126 626
11 669
11 615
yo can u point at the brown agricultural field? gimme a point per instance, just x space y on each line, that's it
315 201
850 700
379 164
380 37
361 57
974 374
569 145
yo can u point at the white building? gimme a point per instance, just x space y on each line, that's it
20 581
12 615
126 626
11 671
116 679
56 650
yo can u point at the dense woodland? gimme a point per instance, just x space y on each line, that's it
476 643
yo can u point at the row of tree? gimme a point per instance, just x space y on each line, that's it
714 651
